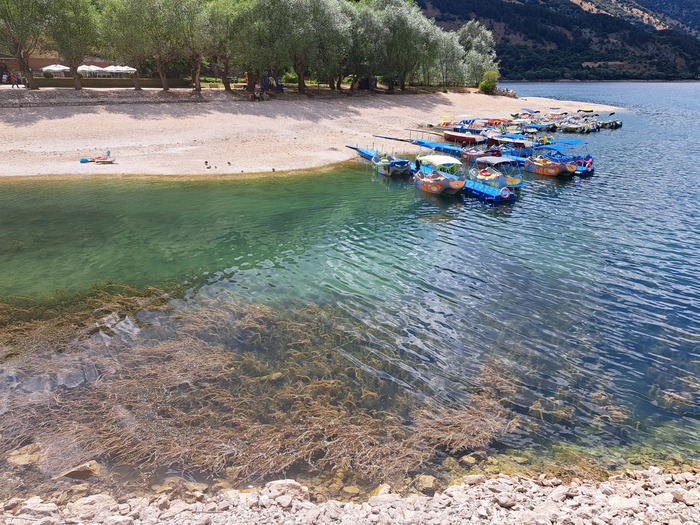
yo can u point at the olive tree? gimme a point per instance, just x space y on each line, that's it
474 35
263 37
73 32
479 51
449 59
22 25
124 33
333 40
162 32
224 20
190 21
407 44
366 54
299 37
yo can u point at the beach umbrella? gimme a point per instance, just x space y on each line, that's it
89 69
55 68
120 70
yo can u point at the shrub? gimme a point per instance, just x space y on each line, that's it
48 74
289 78
489 83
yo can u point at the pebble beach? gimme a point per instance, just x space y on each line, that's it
647 497
215 133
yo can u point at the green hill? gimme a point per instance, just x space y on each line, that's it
596 40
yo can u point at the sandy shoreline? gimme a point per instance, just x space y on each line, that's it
47 132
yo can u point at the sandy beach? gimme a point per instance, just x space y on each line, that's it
181 133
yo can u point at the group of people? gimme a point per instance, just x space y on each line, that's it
12 78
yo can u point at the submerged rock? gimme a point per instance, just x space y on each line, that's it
28 455
84 471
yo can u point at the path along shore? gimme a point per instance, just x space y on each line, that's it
216 133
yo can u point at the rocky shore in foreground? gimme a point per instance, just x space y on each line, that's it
646 497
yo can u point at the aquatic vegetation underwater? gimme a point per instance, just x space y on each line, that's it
218 389
241 391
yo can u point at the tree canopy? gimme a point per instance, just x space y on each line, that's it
327 40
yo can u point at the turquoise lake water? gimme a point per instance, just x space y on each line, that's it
586 291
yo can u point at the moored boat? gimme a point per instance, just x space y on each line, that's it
438 174
563 153
486 181
384 164
390 166
470 155
541 165
503 171
461 137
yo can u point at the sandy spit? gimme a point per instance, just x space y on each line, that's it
180 133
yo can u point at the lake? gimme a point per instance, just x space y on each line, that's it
583 296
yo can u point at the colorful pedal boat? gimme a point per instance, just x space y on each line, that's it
386 165
541 165
438 174
498 171
390 166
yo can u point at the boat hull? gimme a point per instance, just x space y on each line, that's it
549 169
468 138
438 187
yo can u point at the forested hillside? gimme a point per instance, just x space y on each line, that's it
559 39
685 12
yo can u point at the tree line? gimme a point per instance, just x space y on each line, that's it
328 40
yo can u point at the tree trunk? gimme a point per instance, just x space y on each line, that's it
196 68
224 77
137 80
26 70
301 85
76 78
163 77
339 86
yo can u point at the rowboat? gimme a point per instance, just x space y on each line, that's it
438 174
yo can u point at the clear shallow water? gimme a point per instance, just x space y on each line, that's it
584 294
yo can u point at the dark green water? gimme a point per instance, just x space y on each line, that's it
584 292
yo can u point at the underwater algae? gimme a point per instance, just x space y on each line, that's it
243 392
218 390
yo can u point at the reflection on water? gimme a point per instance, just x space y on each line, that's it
581 297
